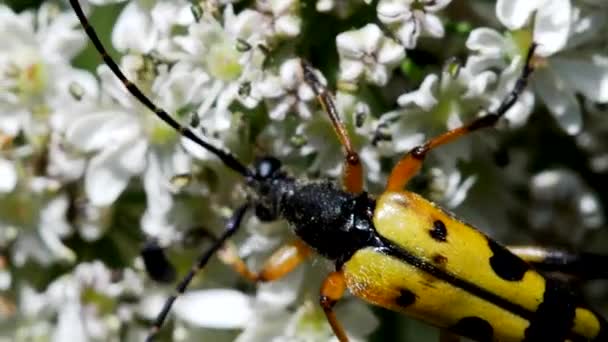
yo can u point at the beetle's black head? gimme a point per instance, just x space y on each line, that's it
269 183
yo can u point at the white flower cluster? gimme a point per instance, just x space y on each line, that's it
87 173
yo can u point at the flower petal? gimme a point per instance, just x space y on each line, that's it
109 172
552 26
158 197
280 294
101 129
408 33
390 53
218 308
134 30
559 98
589 77
351 70
288 25
357 318
377 74
486 41
433 25
424 97
390 11
70 325
515 13
8 176
61 38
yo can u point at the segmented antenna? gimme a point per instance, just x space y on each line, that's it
227 158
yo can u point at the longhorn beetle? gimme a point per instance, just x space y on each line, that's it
399 250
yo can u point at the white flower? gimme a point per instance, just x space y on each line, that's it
143 25
440 103
125 140
40 221
34 59
118 137
283 16
367 53
565 70
408 19
551 21
225 308
269 314
80 300
560 201
229 55
287 91
8 176
63 165
160 169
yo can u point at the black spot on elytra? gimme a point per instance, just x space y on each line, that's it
440 259
505 264
475 328
439 232
602 334
406 298
554 317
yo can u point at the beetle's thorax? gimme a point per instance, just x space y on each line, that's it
333 222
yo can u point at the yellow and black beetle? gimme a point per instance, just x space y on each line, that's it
398 251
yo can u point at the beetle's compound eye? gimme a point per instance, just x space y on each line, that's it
267 166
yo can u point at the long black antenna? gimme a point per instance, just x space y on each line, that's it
226 157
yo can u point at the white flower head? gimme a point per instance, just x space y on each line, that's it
8 175
283 15
144 26
367 53
441 102
227 59
34 58
563 70
270 314
124 139
40 221
287 91
551 21
80 300
561 200
408 19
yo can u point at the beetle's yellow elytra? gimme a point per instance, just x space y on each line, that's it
412 222
389 282
445 272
